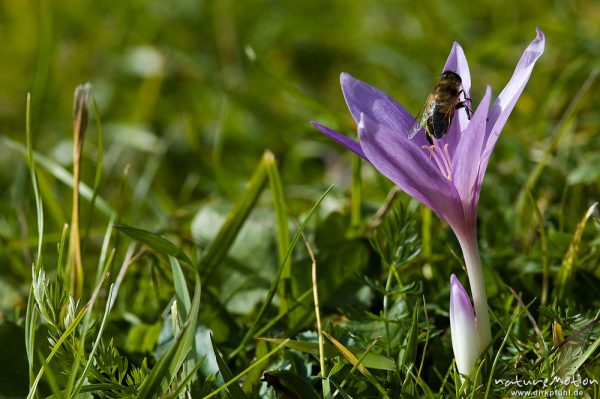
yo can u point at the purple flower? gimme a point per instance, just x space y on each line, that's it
448 178
463 328
447 175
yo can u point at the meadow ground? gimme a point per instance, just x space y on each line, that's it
208 204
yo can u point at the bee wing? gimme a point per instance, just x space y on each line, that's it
442 119
420 120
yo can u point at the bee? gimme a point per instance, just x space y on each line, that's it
438 111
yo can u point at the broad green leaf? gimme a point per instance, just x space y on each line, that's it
142 337
251 331
245 274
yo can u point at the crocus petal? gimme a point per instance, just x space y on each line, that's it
407 165
465 161
463 328
377 106
507 99
457 62
346 141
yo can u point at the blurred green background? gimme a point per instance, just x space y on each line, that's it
191 93
213 83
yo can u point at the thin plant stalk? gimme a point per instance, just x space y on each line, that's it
80 116
356 200
470 249
317 310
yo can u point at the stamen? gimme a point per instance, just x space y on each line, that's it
446 158
441 158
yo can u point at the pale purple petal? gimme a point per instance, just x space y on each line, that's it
457 62
465 162
463 328
378 106
507 99
408 165
346 141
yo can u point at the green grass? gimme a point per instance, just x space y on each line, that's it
200 173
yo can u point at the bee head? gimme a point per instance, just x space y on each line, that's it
451 75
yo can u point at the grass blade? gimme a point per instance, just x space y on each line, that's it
556 136
371 360
154 241
283 231
257 363
354 361
61 174
235 219
169 364
182 295
544 247
234 389
567 267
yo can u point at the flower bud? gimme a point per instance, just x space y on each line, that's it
463 328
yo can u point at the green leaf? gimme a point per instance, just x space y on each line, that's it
154 241
142 337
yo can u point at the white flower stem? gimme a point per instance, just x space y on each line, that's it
470 249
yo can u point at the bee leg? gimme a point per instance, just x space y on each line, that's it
429 138
463 104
